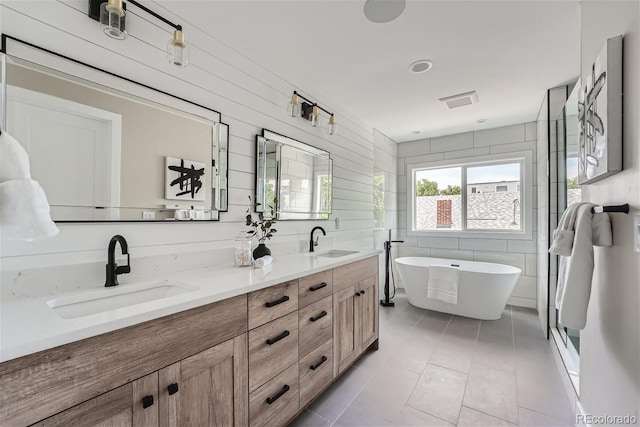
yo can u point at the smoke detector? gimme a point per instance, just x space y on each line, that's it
460 100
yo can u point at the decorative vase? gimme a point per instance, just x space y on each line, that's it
261 251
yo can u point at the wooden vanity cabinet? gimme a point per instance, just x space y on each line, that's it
257 359
69 377
120 407
366 312
207 389
355 311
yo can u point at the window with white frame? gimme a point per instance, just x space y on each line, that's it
480 196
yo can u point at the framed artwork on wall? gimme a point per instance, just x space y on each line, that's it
600 116
184 179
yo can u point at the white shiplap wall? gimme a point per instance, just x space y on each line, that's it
248 96
519 253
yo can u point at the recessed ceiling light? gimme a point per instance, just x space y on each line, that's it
415 132
482 120
421 66
383 11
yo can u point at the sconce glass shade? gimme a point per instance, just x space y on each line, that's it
113 19
293 108
313 117
177 50
331 126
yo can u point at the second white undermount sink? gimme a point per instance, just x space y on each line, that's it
333 253
108 299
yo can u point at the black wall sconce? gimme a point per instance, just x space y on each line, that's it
112 14
310 110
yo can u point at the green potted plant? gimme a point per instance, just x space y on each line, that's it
262 229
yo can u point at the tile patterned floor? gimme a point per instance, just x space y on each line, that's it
435 369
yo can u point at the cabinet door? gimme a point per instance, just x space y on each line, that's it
366 313
345 342
122 407
207 389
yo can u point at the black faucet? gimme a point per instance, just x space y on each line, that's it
314 243
112 268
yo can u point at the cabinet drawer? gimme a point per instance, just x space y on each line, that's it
277 401
272 347
272 302
351 274
315 322
315 287
316 372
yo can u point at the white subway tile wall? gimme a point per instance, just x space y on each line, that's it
519 253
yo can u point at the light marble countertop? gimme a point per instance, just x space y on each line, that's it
29 325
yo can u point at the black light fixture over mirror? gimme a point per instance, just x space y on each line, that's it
310 110
112 14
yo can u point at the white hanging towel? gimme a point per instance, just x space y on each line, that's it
24 209
575 272
564 234
14 160
443 283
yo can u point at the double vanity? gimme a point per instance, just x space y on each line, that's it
208 346
215 346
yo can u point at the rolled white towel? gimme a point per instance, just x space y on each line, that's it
263 261
14 160
24 211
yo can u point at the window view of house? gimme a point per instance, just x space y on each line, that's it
437 199
496 205
491 197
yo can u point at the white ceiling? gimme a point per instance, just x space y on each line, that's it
510 52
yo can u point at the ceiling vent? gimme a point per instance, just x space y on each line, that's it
460 100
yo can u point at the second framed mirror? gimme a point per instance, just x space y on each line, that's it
292 177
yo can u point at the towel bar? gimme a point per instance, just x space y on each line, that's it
613 208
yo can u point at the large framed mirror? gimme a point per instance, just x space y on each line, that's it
106 148
296 175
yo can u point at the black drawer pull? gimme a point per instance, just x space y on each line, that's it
147 401
319 316
272 341
278 395
362 292
357 294
276 302
316 287
317 365
173 388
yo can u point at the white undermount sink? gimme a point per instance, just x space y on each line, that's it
108 299
333 253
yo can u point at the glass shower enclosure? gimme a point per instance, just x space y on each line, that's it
564 192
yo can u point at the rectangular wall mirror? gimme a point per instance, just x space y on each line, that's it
295 173
105 148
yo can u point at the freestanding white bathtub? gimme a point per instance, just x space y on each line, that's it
483 288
